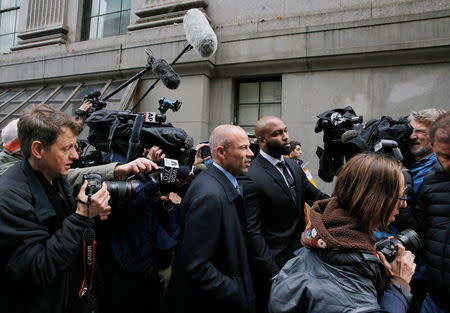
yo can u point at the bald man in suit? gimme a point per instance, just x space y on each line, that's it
275 191
211 271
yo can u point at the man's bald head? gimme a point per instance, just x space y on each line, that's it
272 135
222 136
230 148
264 124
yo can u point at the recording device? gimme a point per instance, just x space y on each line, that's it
163 71
92 97
199 33
120 190
165 104
407 238
166 174
93 158
338 120
205 152
389 147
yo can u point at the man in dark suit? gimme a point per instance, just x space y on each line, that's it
211 271
275 191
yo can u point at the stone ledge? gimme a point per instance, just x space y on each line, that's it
40 43
172 7
43 32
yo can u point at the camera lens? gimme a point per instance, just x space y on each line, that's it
410 240
122 190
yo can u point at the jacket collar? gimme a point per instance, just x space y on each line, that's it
44 209
230 191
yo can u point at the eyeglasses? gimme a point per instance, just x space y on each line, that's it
403 198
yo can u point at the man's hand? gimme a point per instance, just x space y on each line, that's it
137 166
86 105
155 154
99 203
403 266
198 157
170 200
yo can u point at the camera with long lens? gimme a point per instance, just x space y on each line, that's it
120 190
407 238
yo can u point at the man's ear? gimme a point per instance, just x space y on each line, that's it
260 139
220 152
37 149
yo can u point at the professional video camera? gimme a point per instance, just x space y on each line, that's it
407 238
118 190
345 136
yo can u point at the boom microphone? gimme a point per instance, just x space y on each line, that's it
163 70
166 73
199 33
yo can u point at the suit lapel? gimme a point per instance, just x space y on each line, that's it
276 175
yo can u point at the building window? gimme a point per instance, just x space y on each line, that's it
9 19
105 18
255 99
66 98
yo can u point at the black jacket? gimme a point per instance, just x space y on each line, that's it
433 207
40 260
210 271
274 222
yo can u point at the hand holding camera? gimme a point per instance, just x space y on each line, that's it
403 265
99 205
203 153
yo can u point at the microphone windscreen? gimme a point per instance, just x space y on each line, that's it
199 33
349 135
166 73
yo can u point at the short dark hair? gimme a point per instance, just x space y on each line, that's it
43 123
368 187
442 122
294 144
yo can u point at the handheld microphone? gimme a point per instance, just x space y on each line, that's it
199 33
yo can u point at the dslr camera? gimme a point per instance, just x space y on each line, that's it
407 238
118 190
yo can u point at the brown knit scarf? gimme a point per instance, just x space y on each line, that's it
332 228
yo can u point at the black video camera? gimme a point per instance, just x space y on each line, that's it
97 104
407 238
118 190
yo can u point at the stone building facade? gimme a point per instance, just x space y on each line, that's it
292 58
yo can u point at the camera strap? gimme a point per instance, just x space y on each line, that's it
88 240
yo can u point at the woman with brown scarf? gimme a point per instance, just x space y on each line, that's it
339 270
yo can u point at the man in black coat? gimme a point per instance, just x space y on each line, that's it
41 224
274 198
432 214
210 270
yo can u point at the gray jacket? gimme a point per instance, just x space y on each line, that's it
335 281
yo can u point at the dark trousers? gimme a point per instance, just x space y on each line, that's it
127 292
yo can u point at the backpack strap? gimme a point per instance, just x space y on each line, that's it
135 135
111 136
